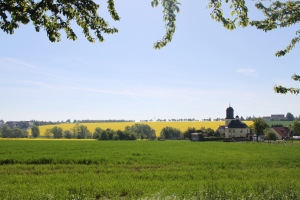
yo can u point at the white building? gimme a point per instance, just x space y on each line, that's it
233 126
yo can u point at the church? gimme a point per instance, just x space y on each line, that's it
233 126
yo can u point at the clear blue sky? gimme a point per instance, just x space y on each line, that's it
196 76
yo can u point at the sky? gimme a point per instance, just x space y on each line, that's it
203 70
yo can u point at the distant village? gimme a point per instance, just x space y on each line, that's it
234 129
28 124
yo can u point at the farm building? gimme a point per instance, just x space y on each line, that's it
233 126
260 138
277 117
281 132
221 130
194 136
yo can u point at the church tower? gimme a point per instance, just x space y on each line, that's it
229 115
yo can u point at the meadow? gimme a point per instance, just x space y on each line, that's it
81 169
157 126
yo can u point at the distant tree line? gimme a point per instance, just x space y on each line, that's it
276 125
102 121
41 123
170 120
134 132
170 133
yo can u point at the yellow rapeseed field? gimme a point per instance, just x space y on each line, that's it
157 126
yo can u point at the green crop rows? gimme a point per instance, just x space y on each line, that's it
148 170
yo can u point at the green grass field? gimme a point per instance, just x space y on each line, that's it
62 169
284 123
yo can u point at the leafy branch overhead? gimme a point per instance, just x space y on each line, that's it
277 15
170 8
283 90
56 15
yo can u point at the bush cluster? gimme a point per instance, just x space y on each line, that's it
6 132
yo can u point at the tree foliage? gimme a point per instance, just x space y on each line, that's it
270 135
6 132
57 132
290 116
170 133
259 126
35 131
19 133
142 131
110 134
296 127
68 134
292 90
81 132
104 135
56 15
209 131
97 133
48 133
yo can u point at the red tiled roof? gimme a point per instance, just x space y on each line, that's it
282 131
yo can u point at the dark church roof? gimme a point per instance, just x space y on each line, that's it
236 123
229 113
229 108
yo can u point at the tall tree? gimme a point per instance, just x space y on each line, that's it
84 132
170 133
104 135
97 133
296 127
35 131
142 131
5 131
67 134
290 116
48 133
57 132
270 135
16 133
259 126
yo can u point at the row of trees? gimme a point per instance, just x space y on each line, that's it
171 120
171 133
6 132
100 121
136 131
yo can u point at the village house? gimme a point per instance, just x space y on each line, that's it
281 132
19 124
221 130
234 128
